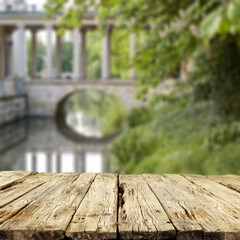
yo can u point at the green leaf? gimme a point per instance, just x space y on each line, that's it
211 24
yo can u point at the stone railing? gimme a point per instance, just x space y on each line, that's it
12 107
12 134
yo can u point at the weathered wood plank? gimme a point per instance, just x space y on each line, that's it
229 181
52 182
225 206
48 217
218 219
96 217
24 186
141 216
177 205
220 191
103 206
8 178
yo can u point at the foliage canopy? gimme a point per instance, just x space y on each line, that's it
179 137
172 30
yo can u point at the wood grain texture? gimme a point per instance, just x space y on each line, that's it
177 205
211 213
48 215
23 186
96 217
107 206
216 189
8 178
51 182
229 181
141 216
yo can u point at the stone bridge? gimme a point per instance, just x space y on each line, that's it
44 96
47 87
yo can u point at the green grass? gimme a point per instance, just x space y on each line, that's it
181 137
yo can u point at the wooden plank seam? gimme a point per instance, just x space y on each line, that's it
111 206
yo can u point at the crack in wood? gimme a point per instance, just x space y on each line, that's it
118 204
65 237
137 214
170 221
15 182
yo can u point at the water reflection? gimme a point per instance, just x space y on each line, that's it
37 145
78 141
91 162
94 113
80 123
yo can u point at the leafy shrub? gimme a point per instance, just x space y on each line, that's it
132 146
173 142
223 134
139 116
217 75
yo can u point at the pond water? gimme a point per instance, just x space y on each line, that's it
78 140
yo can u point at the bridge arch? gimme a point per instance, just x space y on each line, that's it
63 110
44 97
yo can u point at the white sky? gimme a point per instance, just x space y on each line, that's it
42 34
39 6
38 3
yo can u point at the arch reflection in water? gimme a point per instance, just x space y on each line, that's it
93 113
41 147
91 162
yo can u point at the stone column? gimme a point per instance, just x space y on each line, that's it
49 162
15 54
34 161
21 61
106 54
59 162
76 162
133 39
79 52
34 53
80 165
106 167
83 165
5 56
76 54
49 52
9 57
83 54
25 56
2 53
59 55
8 42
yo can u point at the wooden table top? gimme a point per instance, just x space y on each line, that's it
110 206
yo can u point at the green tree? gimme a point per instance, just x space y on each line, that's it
166 25
94 55
174 31
40 55
120 53
67 55
223 20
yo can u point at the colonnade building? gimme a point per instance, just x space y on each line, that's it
16 17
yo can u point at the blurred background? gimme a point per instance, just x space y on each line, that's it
120 86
